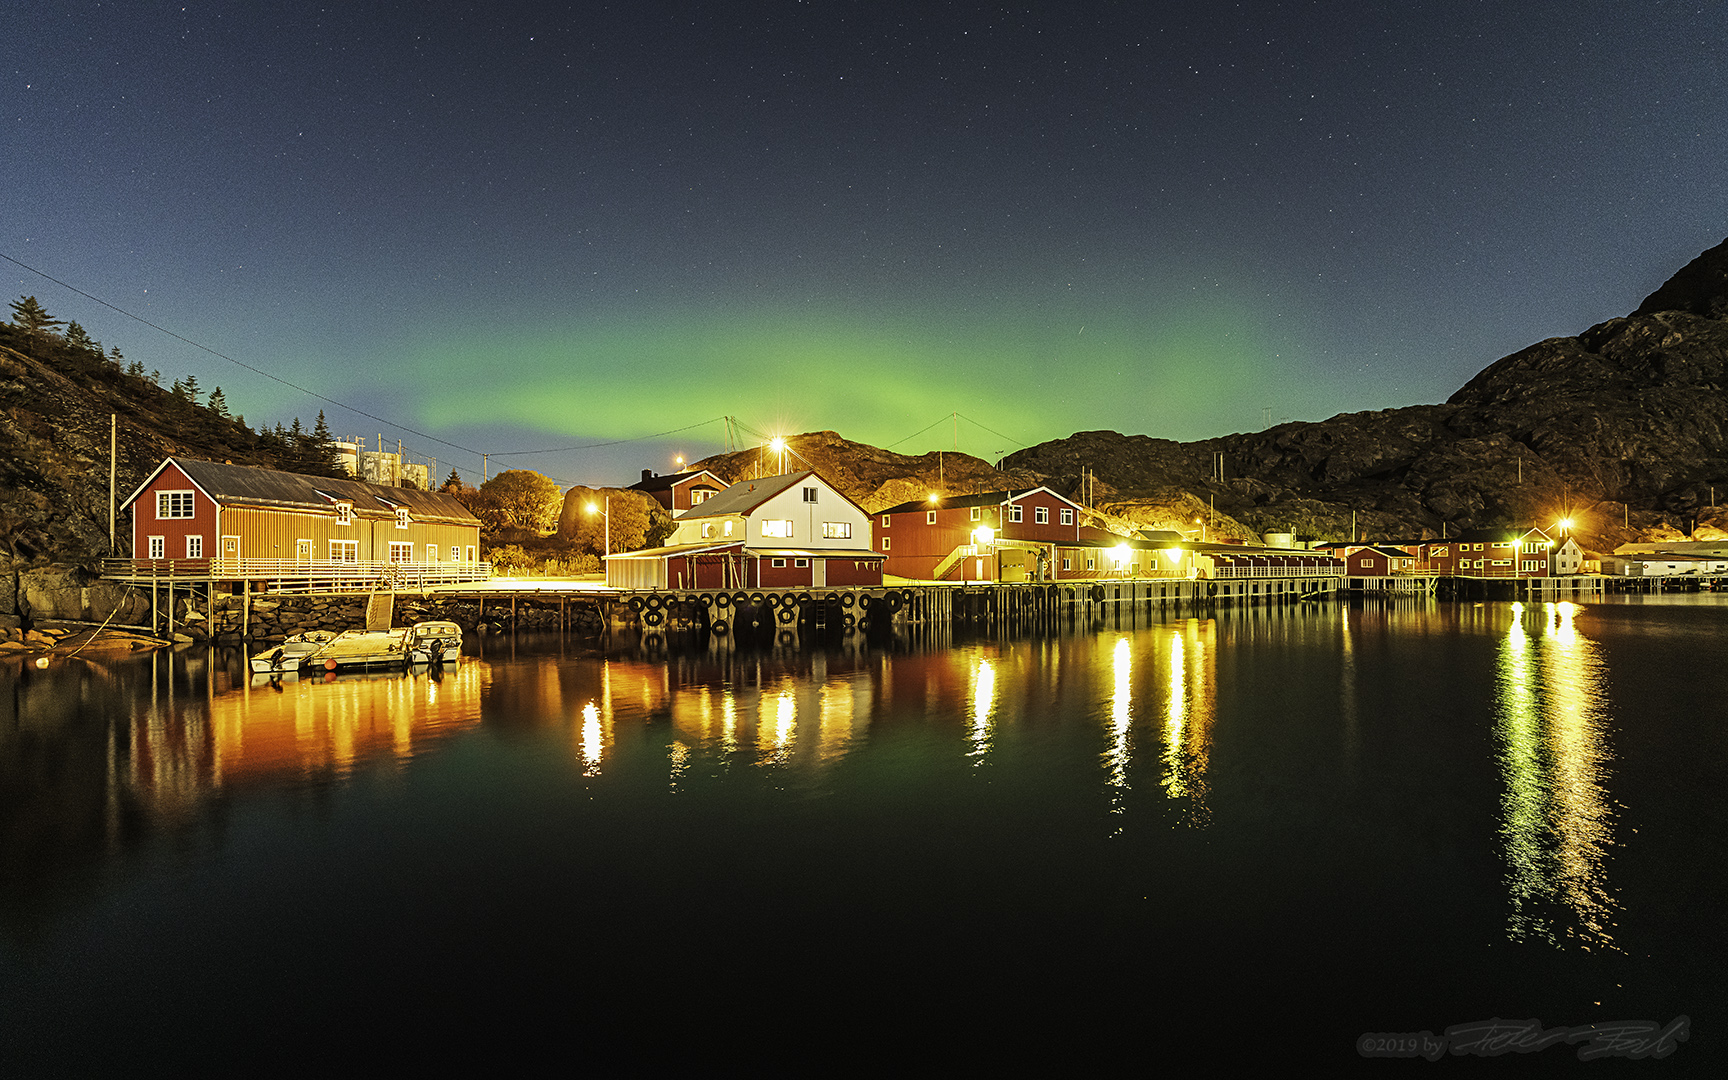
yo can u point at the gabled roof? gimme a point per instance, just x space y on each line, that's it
746 496
662 483
228 485
1498 536
982 498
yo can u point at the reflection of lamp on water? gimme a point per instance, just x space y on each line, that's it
607 515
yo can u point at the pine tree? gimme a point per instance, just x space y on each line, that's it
33 319
135 368
77 337
192 389
453 482
218 404
114 355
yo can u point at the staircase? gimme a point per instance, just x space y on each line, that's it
380 610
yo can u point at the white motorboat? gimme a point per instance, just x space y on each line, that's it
436 642
289 655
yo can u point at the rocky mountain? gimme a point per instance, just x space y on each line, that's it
1623 428
871 477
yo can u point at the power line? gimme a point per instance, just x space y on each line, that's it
239 363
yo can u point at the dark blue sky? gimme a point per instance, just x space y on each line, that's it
516 226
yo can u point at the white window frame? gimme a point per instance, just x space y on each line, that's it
779 528
345 551
976 513
177 504
456 553
1067 515
836 530
1016 513
777 564
929 517
344 513
800 564
471 554
1041 515
158 547
195 547
1067 563
886 521
885 540
401 551
699 495
809 494
401 517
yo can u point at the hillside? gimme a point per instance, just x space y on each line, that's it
1623 427
55 403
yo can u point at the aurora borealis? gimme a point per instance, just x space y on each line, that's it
522 226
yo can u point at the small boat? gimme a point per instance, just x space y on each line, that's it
435 642
362 649
293 652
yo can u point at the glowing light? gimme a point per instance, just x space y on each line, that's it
984 534
933 497
1564 524
1173 554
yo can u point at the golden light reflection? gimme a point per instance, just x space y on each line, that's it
1121 749
983 707
592 745
1190 705
1556 825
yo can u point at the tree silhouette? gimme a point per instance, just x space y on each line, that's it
33 319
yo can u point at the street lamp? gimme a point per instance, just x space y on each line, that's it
778 445
606 514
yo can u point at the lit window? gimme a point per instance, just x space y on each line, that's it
1014 513
345 551
194 547
401 551
836 530
173 504
1066 562
707 529
699 495
158 547
777 527
1041 515
726 528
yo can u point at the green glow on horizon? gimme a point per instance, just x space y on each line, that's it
1031 376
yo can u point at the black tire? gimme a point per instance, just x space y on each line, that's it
718 626
635 603
654 603
847 600
756 598
803 599
652 618
787 614
848 621
864 601
906 596
722 601
739 599
894 602
831 600
1097 593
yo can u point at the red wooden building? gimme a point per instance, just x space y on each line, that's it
679 492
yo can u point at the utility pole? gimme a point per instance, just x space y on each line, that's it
114 453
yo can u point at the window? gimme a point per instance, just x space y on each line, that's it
173 504
158 547
455 553
977 512
401 517
401 551
1014 513
344 551
836 530
777 527
1041 515
777 563
726 528
885 543
707 529
1088 562
1067 517
1067 563
194 547
810 495
344 513
929 517
700 495
885 521
800 562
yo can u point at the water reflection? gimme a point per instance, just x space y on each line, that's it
1556 825
1190 705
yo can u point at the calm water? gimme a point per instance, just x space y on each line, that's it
1191 841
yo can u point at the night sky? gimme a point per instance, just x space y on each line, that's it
517 227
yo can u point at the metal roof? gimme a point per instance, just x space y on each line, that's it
231 484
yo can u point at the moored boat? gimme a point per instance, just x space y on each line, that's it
435 642
291 653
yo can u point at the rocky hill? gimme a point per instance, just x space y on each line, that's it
1623 428
871 477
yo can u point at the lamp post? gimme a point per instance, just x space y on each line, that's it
606 515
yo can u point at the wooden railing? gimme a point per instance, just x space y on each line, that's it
301 573
1321 570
